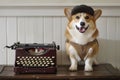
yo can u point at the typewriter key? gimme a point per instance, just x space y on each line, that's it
44 57
23 57
47 61
53 56
26 57
21 61
33 57
25 61
37 57
18 57
30 57
43 65
31 64
41 57
44 62
39 61
35 65
17 61
39 65
23 64
46 65
52 63
48 57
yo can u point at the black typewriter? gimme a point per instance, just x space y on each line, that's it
35 58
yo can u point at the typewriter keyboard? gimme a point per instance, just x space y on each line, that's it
35 61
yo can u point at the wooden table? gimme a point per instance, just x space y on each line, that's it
101 72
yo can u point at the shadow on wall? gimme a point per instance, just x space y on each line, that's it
109 52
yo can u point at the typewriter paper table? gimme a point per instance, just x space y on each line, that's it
101 72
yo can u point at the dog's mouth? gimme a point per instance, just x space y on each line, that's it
82 29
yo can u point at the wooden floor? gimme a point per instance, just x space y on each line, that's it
101 72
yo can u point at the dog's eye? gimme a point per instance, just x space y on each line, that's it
77 17
87 17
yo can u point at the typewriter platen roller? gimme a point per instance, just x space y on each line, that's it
35 58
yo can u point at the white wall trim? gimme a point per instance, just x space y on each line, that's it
54 8
58 4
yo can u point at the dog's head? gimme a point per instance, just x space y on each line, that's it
82 18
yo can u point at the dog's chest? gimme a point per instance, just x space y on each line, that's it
81 49
81 38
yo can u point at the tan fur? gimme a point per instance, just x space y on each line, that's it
95 34
67 34
82 50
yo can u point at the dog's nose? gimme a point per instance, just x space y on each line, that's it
82 23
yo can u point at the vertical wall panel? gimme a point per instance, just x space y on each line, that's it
117 49
11 38
48 29
65 58
21 29
3 55
102 27
29 29
38 30
111 43
57 28
109 40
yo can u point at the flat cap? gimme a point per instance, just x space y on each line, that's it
82 8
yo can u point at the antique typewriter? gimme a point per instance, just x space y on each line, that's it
35 58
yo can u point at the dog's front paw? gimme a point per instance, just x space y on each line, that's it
73 68
88 68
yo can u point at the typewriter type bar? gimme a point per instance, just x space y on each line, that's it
35 58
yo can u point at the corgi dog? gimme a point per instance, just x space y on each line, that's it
81 36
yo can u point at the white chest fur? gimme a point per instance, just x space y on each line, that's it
81 38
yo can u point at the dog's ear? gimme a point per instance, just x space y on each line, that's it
97 14
67 12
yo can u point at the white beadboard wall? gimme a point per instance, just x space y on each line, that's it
44 24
